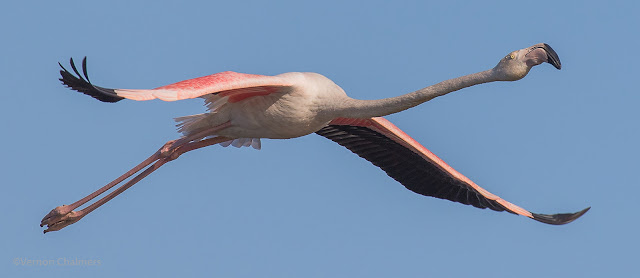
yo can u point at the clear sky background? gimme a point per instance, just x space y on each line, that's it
556 141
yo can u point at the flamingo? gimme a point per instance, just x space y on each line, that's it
244 108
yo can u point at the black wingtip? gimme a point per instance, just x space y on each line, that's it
560 218
80 84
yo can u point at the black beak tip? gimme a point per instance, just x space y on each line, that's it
552 56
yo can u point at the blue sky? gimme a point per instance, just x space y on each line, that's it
556 141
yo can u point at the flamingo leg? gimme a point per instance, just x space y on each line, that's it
65 215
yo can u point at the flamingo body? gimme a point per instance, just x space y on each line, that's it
284 106
243 108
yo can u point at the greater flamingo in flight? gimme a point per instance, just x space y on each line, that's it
243 108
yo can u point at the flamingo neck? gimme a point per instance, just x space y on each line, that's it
362 109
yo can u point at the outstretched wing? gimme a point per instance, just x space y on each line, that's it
405 160
231 86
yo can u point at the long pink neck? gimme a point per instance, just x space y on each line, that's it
355 108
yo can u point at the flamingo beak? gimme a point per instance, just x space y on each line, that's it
552 56
541 53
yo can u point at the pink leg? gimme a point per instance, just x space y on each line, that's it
164 159
65 215
65 209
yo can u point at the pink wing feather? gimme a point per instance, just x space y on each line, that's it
235 86
389 148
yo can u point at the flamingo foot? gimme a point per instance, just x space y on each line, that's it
60 217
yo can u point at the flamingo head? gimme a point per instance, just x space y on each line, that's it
517 64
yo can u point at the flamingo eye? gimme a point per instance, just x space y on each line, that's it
512 56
